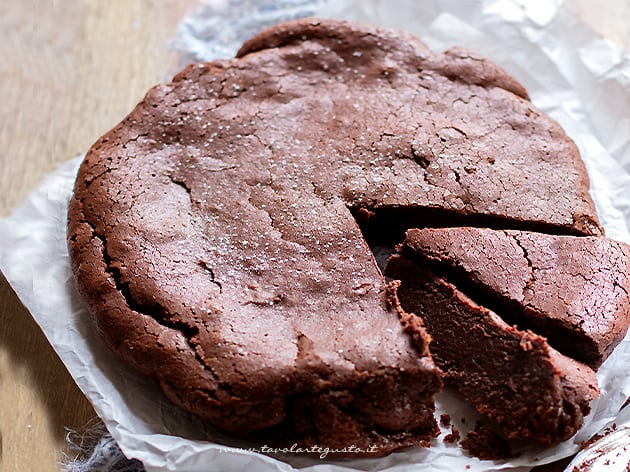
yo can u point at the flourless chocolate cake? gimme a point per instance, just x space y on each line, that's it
213 233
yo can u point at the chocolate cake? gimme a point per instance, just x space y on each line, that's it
511 376
213 233
572 290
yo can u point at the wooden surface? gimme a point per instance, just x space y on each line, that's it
70 70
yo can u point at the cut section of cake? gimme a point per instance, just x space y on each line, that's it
511 376
572 290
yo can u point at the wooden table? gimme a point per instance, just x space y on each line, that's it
70 70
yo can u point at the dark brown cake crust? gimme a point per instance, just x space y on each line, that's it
212 235
572 290
459 128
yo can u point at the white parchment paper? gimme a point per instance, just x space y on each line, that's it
578 78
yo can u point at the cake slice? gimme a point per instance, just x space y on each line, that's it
571 290
511 376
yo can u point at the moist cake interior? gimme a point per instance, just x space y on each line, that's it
385 229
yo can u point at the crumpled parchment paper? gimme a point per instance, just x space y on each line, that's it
575 76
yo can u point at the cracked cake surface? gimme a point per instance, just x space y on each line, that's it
212 232
518 319
572 290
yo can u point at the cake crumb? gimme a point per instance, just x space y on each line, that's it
596 437
445 420
485 444
453 436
